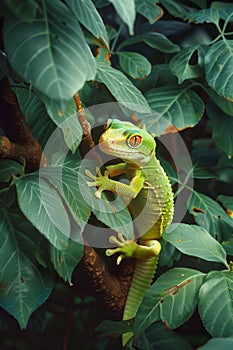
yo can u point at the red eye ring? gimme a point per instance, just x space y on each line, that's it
134 141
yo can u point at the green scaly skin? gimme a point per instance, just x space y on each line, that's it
151 203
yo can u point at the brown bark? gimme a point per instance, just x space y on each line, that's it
110 287
18 143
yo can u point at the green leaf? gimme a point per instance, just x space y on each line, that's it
68 179
181 67
114 328
173 105
209 15
134 64
25 284
202 172
121 87
155 40
176 8
228 245
87 14
66 259
51 53
218 343
36 115
171 299
196 241
10 168
222 129
225 9
24 9
42 205
216 303
227 202
209 214
66 120
149 9
158 337
226 105
126 11
218 66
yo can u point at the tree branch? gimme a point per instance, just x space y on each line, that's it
18 143
110 288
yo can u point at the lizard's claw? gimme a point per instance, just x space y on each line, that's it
100 181
126 248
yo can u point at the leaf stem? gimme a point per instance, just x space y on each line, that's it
226 23
116 37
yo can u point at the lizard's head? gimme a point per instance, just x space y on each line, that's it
128 142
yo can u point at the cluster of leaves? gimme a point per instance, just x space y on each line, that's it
175 58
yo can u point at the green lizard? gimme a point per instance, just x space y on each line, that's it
150 197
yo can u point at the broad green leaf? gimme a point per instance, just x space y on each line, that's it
25 284
149 9
43 207
173 105
121 87
218 343
181 67
149 82
176 8
222 129
209 15
160 42
10 168
171 299
225 9
86 13
228 245
134 64
36 115
51 53
227 202
67 178
24 9
66 120
216 303
157 337
66 259
226 105
209 214
203 172
155 40
196 241
126 11
114 328
224 169
218 66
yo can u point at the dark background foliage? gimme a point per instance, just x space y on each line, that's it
175 57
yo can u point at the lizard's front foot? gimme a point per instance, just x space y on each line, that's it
131 249
100 181
126 248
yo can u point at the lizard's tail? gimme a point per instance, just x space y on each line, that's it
143 275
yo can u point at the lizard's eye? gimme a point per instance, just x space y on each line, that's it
135 141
